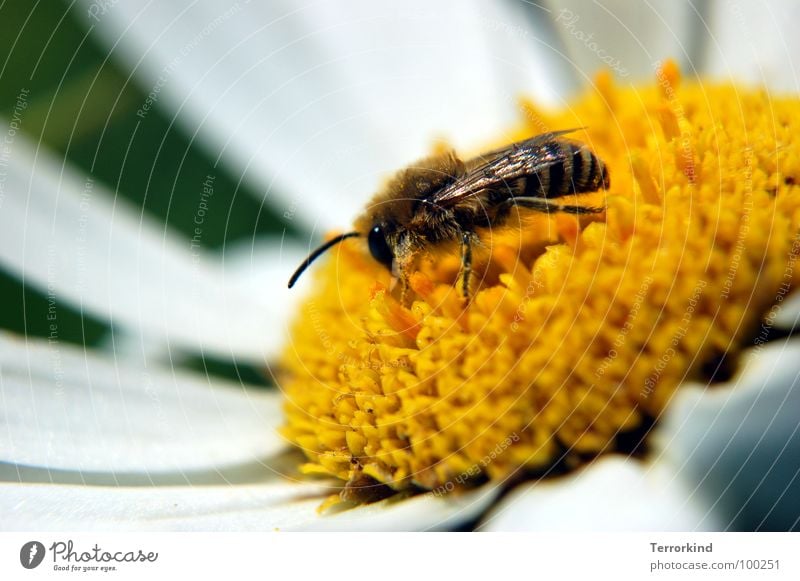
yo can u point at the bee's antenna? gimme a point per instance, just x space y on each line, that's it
314 255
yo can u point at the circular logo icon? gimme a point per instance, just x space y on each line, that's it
31 554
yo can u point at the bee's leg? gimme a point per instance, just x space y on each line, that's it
549 207
404 286
401 267
398 284
466 261
399 279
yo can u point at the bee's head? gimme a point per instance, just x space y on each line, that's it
379 247
381 235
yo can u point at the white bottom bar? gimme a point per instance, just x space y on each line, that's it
387 556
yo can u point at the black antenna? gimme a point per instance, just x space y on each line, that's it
314 255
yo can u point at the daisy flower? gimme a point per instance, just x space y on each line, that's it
641 357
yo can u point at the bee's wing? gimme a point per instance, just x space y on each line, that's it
503 167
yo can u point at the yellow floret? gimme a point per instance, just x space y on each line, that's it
580 331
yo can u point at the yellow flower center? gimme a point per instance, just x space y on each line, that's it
580 330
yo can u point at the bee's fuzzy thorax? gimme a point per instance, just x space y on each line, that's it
396 201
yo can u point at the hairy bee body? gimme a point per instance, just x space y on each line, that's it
577 170
442 198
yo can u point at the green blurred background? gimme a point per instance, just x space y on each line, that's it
82 105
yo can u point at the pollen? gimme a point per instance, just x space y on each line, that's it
579 329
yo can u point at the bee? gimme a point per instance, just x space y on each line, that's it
443 199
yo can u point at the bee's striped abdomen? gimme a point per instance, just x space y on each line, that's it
578 171
589 173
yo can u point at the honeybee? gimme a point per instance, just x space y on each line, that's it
444 199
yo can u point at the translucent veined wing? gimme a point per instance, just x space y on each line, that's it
504 166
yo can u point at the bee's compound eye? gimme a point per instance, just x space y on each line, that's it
379 248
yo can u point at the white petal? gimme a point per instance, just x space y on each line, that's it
70 238
426 512
66 409
628 38
786 314
265 507
81 508
316 101
740 443
611 494
757 42
260 268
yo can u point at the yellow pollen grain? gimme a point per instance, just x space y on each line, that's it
578 330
